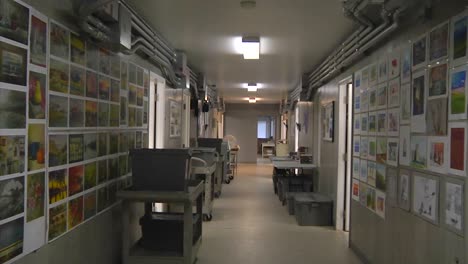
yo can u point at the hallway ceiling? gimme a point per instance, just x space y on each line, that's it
295 36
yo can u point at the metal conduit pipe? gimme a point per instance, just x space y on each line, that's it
357 46
149 52
143 41
94 32
153 38
98 24
84 11
146 37
146 25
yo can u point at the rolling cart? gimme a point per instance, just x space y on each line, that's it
218 179
204 163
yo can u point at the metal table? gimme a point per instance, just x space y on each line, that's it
135 254
267 145
291 164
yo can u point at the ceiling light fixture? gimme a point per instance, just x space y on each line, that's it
251 48
252 100
252 87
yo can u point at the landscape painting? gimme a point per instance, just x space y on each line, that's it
14 22
420 52
11 197
11 240
58 111
438 154
12 153
459 39
13 64
458 94
12 109
381 155
58 150
36 196
58 76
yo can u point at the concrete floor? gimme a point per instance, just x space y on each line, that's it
250 226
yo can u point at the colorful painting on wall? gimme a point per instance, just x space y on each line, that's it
370 198
57 221
438 77
438 42
381 155
104 88
59 41
371 173
77 112
418 152
115 66
405 103
437 117
438 154
380 177
380 204
78 48
36 146
90 146
37 95
58 186
58 150
11 240
13 64
89 205
58 111
77 81
91 85
75 180
459 39
75 212
11 197
75 148
420 52
12 151
90 175
458 148
38 42
13 109
14 21
58 76
115 91
36 196
103 114
406 64
91 114
418 114
458 84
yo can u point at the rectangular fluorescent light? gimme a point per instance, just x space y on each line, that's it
251 48
252 100
252 87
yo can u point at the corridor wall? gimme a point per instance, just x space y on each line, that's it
384 230
73 111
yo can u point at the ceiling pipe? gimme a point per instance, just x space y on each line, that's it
84 13
172 57
144 42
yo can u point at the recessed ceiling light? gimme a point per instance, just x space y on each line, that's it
252 87
252 100
251 48
248 4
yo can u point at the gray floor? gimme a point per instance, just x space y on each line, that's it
250 226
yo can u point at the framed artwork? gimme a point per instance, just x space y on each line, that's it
458 92
57 221
438 80
404 147
13 64
364 100
364 147
371 173
12 191
438 154
328 121
381 177
394 64
363 194
392 186
37 95
356 168
77 113
78 49
355 190
372 148
77 81
58 111
439 42
373 74
392 151
418 152
372 98
380 204
406 63
356 146
12 239
420 52
418 104
357 124
14 21
363 174
381 155
35 196
457 137
382 123
459 39
372 123
370 199
393 117
59 41
58 76
437 117
364 124
38 41
394 93
357 100
36 146
382 96
426 197
13 109
383 69
75 148
405 103
404 189
454 197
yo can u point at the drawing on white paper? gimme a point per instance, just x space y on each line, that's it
454 205
404 190
425 198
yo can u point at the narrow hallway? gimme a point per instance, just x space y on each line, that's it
250 226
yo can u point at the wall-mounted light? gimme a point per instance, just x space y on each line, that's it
251 48
252 100
252 87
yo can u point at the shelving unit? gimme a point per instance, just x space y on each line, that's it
134 253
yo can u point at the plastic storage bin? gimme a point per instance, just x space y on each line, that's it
161 169
313 210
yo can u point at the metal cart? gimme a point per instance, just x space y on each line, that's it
204 163
218 179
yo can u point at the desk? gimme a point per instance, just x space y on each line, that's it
291 164
267 145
